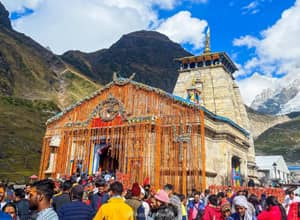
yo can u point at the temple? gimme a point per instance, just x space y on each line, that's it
192 138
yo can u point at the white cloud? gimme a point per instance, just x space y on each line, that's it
85 25
18 5
276 52
96 24
247 40
251 8
183 28
254 85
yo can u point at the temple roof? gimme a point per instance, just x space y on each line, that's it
123 81
230 66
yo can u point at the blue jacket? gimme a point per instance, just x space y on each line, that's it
235 216
76 210
99 199
4 216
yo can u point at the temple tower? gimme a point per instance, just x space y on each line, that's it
209 77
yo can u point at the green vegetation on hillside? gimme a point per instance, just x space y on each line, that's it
77 87
22 127
282 139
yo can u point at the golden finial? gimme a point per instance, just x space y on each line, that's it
207 41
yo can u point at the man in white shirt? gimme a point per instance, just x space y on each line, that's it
291 198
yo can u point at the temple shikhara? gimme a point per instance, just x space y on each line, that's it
197 136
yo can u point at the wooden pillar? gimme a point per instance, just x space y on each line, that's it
184 179
42 162
203 151
158 154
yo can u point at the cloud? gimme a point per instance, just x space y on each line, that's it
183 28
86 25
20 5
254 85
276 50
251 8
247 40
94 24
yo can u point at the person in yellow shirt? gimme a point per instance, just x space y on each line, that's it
183 206
116 208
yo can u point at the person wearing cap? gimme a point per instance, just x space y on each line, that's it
76 209
174 200
115 208
165 210
135 203
145 204
226 211
240 204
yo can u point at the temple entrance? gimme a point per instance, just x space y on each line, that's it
236 179
103 159
107 162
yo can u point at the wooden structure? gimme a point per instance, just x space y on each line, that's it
142 131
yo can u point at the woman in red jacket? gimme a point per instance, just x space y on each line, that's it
274 210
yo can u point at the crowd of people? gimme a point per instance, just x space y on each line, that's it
106 199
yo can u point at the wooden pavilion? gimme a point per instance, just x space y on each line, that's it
143 132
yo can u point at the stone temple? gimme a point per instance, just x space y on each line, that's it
195 137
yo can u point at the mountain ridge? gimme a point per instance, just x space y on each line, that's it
281 100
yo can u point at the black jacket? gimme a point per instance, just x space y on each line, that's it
60 200
23 209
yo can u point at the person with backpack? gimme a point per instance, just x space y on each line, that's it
196 207
135 203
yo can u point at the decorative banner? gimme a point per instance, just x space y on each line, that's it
98 122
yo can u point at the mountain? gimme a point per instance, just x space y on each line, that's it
34 85
279 101
282 139
149 54
260 122
30 71
4 20
276 135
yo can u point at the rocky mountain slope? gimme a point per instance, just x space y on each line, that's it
34 85
259 122
282 100
282 139
147 53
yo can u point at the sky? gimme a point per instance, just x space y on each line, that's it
260 36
